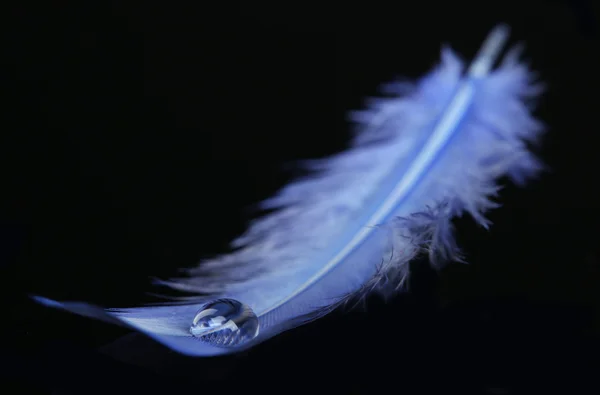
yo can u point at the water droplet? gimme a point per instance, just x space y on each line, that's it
225 322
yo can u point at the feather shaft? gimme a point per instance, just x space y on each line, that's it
419 161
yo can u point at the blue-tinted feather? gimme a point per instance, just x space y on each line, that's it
417 161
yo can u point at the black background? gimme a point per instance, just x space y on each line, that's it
136 139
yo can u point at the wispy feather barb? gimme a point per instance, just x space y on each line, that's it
430 153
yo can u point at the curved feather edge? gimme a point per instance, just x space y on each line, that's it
315 217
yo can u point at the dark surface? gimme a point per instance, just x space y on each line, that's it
136 139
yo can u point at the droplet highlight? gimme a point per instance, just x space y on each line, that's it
225 323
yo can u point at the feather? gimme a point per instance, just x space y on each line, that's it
428 154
